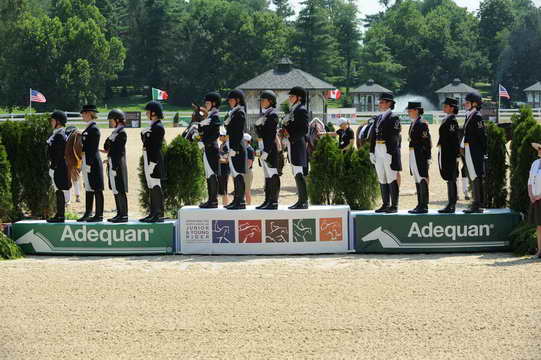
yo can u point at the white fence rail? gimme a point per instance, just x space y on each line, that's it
75 118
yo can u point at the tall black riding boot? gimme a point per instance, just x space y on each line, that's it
416 209
60 208
475 207
117 210
235 186
267 196
394 194
212 189
98 217
303 193
452 195
384 188
239 202
274 191
156 205
122 209
423 186
89 204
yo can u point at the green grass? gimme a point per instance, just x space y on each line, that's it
137 103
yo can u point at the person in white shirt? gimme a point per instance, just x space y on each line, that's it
534 191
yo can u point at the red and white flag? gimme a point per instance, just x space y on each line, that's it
504 93
334 94
36 96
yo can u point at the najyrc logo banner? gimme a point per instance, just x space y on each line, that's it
319 229
39 237
433 232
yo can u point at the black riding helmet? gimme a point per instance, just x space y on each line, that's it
60 116
155 107
214 97
238 95
269 95
298 91
117 115
474 97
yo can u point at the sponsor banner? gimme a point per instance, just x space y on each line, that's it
40 237
317 230
433 232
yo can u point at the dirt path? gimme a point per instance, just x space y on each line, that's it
482 306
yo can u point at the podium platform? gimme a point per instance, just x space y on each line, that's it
433 232
317 230
74 238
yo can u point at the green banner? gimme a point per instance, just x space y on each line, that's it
40 237
433 232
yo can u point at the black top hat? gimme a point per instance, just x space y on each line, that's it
414 105
90 108
451 102
387 96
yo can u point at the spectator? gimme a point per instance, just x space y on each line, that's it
224 171
534 191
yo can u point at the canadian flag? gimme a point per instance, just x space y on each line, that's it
334 94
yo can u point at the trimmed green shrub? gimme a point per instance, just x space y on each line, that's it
5 185
496 176
519 177
522 123
326 164
8 248
34 166
523 240
185 174
26 147
358 183
10 132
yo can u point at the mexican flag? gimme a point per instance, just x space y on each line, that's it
158 94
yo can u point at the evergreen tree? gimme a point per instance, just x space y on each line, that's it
316 50
5 185
527 155
495 189
283 9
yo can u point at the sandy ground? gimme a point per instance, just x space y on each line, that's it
481 306
408 198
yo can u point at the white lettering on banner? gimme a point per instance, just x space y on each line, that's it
106 235
451 231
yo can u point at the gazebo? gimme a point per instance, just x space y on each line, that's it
365 97
533 95
281 80
457 90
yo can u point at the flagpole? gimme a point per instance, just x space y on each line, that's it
30 99
499 103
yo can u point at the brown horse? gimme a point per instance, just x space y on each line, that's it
199 114
73 152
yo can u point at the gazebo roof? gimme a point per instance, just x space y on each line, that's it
534 87
370 88
284 77
455 87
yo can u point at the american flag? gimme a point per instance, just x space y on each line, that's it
36 96
504 93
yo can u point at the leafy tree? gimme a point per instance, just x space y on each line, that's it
283 9
495 21
519 67
67 57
